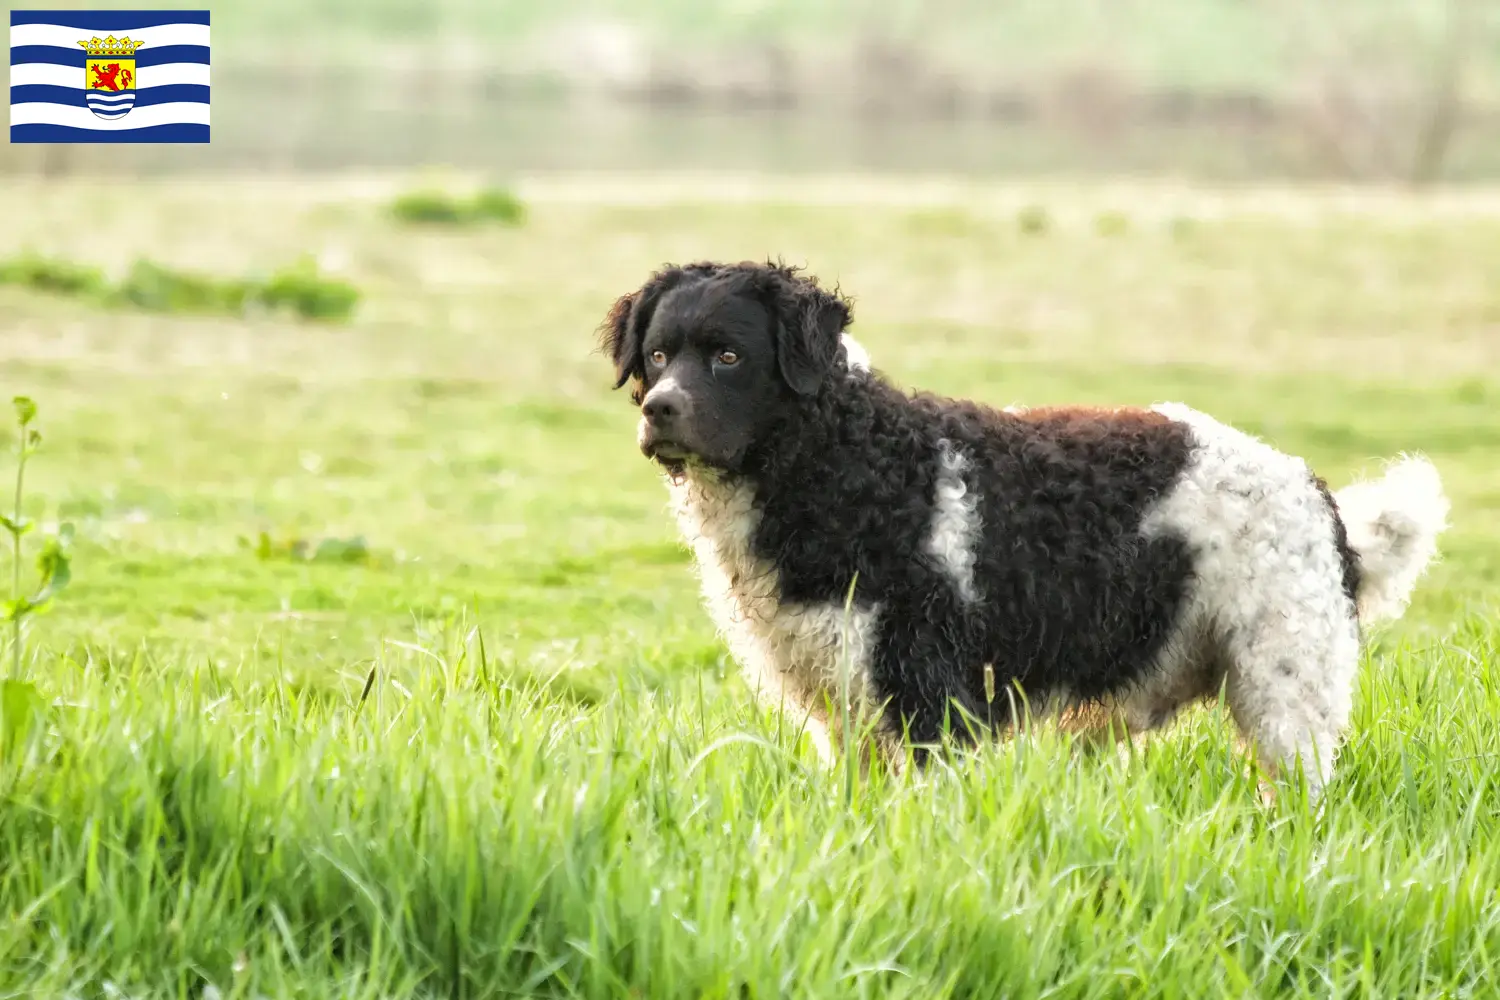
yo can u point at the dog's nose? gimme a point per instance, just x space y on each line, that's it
665 405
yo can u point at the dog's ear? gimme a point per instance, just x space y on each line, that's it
620 338
811 321
621 333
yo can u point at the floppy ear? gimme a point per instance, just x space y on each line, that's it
622 331
807 336
621 339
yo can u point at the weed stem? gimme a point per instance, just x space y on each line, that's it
15 562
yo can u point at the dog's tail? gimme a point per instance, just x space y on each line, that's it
1392 524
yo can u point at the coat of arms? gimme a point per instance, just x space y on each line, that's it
109 76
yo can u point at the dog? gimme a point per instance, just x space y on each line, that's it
936 568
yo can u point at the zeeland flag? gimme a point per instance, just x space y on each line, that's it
109 76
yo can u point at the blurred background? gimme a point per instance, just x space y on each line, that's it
1390 90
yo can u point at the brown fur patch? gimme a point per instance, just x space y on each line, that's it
1082 417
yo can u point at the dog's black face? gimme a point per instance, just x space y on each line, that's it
710 374
717 353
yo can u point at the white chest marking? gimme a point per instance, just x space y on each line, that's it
792 653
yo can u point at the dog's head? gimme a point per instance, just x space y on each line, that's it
716 354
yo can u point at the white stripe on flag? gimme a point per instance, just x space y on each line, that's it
182 113
47 74
68 38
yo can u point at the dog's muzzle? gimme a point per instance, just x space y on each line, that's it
664 413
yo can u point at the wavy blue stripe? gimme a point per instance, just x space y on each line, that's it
76 57
64 133
109 20
73 96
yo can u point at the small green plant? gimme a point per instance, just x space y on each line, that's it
159 289
52 563
19 701
429 207
1033 220
303 290
48 274
299 289
498 205
353 551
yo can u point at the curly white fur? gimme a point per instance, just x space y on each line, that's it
854 351
793 655
955 522
1393 523
1267 614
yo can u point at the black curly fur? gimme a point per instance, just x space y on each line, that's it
1073 597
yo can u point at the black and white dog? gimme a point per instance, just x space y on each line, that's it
1123 561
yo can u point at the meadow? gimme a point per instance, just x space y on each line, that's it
382 673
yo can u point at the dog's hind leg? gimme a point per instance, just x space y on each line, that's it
1271 585
1290 687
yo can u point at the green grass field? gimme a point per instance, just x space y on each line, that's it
502 754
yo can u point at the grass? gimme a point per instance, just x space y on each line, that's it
489 745
434 207
298 289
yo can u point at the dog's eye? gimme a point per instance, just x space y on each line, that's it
658 358
728 358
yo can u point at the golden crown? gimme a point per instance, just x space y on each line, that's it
111 46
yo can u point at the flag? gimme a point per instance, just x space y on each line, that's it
109 76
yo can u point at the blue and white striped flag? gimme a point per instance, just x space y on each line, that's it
109 76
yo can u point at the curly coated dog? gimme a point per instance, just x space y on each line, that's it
951 565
